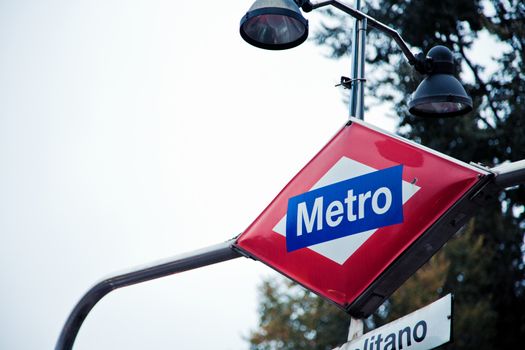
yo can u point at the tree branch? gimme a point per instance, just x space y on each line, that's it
482 84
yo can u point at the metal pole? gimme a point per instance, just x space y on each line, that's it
360 80
356 103
356 326
355 62
203 257
510 174
356 109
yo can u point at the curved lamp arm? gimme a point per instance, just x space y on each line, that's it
199 258
418 61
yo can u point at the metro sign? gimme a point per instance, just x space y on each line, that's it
370 201
363 215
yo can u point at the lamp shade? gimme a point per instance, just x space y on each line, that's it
274 25
440 94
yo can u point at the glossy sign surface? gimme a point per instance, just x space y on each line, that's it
344 208
341 267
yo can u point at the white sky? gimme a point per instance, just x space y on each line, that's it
136 130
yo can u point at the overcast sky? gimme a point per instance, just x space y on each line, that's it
132 131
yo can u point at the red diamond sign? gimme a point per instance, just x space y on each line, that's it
363 215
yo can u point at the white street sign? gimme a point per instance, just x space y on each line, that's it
424 329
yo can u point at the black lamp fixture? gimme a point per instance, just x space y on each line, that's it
440 94
274 25
279 25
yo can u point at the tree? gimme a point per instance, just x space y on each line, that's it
294 318
484 265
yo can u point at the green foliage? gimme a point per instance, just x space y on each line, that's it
293 318
484 265
461 267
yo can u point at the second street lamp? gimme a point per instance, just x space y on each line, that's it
279 24
440 94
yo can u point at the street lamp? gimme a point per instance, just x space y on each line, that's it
279 24
440 94
274 25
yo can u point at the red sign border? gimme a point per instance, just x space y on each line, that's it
388 279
